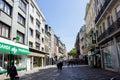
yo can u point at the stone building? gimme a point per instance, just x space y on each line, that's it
13 34
107 22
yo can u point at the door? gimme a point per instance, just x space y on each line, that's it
28 63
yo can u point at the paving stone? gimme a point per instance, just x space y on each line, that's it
71 73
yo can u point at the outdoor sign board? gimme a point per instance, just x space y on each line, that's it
12 47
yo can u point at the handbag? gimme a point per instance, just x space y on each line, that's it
16 78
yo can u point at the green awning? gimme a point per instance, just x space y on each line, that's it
18 69
12 47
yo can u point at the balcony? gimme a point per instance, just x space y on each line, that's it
111 30
102 10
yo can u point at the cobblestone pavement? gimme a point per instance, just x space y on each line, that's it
81 72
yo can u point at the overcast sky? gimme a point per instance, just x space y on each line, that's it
65 17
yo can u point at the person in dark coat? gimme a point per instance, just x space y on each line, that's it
12 72
60 65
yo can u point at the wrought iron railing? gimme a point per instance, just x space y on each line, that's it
111 29
102 10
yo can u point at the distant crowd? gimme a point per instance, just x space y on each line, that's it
70 62
76 62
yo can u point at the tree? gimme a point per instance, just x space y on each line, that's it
72 53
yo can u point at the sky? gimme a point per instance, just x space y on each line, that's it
65 18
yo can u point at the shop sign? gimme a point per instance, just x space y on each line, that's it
13 49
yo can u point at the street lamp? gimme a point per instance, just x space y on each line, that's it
14 50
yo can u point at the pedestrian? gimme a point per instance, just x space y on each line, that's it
60 65
12 72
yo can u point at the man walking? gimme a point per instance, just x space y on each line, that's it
12 72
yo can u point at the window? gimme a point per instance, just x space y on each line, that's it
31 19
37 46
2 3
21 36
38 15
22 5
42 49
100 31
21 20
102 2
42 30
32 7
30 44
108 20
4 30
111 19
37 24
118 11
42 40
31 32
96 2
5 7
37 36
103 27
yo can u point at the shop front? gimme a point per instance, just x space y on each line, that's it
36 59
118 47
110 56
12 52
95 59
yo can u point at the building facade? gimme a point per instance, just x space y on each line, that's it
82 37
55 47
59 49
94 56
48 43
36 36
107 23
13 23
23 35
77 45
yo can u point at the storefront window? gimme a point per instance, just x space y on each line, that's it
107 59
118 46
6 60
20 61
107 56
110 55
37 62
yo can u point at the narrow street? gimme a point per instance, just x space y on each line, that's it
81 72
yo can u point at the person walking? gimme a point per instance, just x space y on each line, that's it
60 65
12 72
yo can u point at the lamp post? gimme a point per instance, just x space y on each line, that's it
14 50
